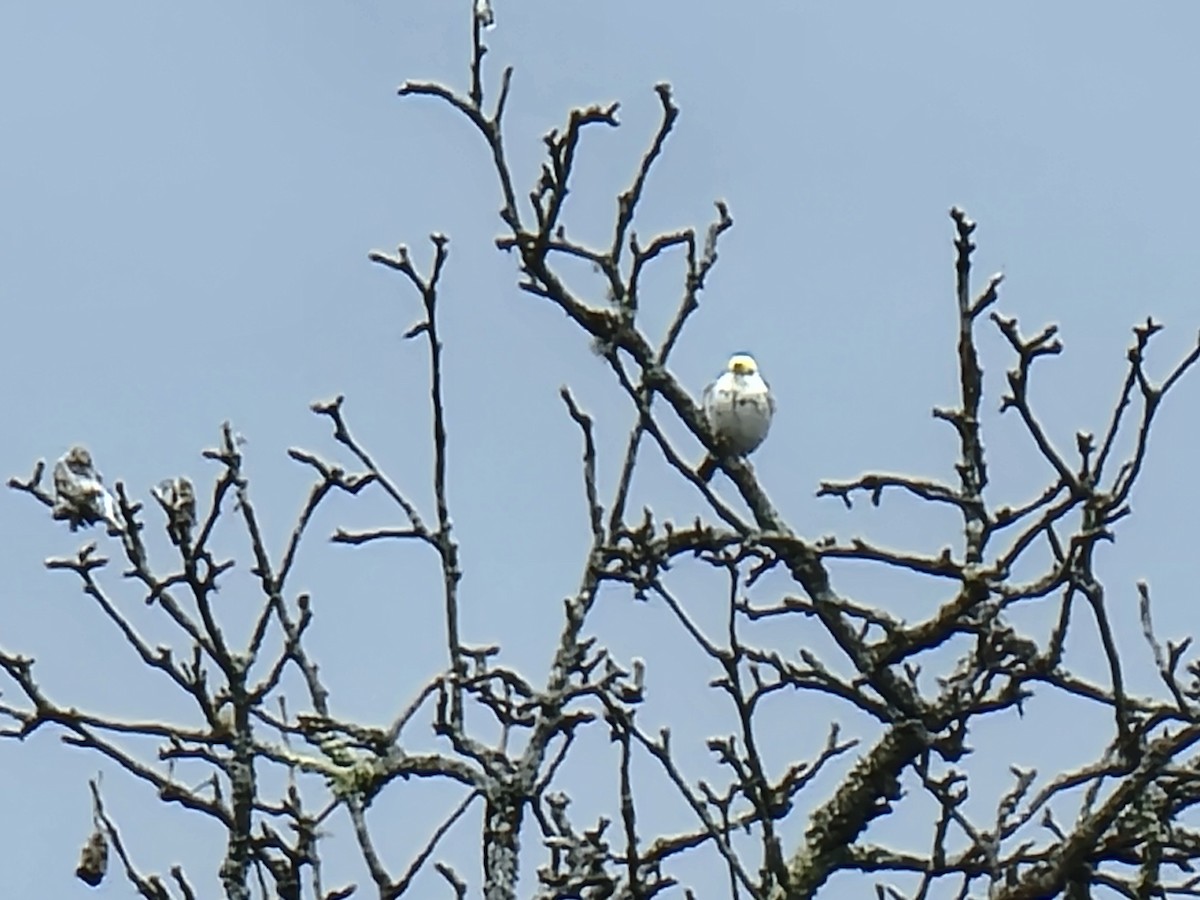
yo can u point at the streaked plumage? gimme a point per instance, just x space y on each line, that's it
177 497
739 408
79 493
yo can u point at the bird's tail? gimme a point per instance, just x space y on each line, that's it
707 469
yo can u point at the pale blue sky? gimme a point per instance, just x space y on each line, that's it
188 194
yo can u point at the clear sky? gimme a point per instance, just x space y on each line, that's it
188 193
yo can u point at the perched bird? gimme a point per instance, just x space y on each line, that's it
739 407
79 493
177 497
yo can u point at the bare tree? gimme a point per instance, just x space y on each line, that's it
279 768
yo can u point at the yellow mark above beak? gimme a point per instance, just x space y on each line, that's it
742 365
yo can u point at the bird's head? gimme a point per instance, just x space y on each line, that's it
742 364
78 459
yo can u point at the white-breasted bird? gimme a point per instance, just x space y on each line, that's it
79 493
739 407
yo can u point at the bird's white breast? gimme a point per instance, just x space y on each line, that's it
739 410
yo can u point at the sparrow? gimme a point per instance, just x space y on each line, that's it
79 493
